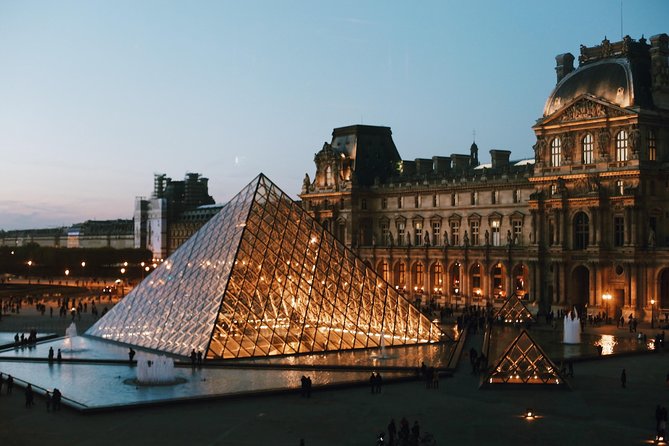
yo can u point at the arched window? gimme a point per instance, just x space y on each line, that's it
436 279
556 152
475 279
581 231
588 149
383 270
621 146
418 276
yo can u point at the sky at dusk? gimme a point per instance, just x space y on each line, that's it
97 96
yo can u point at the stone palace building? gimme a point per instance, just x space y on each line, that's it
584 223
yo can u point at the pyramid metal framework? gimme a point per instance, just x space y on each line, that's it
524 362
263 278
513 311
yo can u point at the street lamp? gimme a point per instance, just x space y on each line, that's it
652 313
606 297
30 264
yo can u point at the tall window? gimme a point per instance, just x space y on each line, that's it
652 145
363 204
400 233
516 195
621 146
517 231
476 277
498 281
399 202
385 233
620 187
495 232
418 233
384 270
495 197
455 233
329 178
588 149
618 231
581 231
436 232
474 228
384 203
418 276
401 275
416 201
437 281
474 198
435 200
454 199
556 152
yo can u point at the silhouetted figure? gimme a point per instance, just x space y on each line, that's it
193 357
199 357
57 396
50 354
59 356
303 382
30 397
131 354
623 379
308 386
392 433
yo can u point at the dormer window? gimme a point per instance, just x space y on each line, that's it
329 178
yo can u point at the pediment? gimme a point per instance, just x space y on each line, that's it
583 108
474 217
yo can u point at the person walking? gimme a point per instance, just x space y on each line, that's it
623 379
30 397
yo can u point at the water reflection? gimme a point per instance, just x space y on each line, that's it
607 342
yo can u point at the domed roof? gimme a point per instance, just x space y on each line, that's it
608 79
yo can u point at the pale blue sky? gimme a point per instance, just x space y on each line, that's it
97 96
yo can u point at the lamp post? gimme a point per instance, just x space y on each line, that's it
606 297
652 313
30 264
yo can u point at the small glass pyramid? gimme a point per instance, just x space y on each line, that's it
513 311
263 278
524 362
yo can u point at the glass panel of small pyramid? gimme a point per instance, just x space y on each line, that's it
524 362
513 311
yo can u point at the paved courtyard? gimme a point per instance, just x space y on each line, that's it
596 411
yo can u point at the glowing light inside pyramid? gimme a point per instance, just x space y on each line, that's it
263 278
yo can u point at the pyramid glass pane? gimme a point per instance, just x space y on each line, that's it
524 362
262 278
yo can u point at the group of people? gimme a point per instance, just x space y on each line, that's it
478 362
196 358
404 436
375 382
53 399
9 382
22 340
430 375
59 356
306 386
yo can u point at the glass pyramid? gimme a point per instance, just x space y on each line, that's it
263 278
524 362
513 311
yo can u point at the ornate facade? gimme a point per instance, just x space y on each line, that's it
581 224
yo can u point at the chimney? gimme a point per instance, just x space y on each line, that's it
499 158
460 162
565 65
659 62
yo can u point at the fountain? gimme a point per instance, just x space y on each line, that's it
72 343
572 328
382 349
155 370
